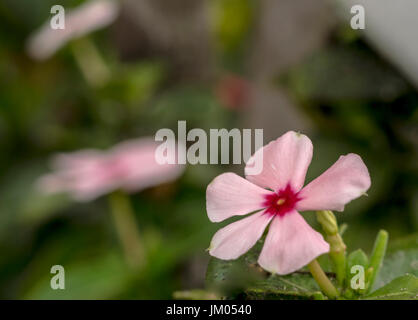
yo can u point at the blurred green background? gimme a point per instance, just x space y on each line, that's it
216 64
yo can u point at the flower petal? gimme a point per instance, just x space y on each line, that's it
82 174
230 195
138 168
80 21
88 174
237 238
290 244
345 180
284 161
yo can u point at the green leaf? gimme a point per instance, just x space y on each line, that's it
402 258
356 258
397 264
294 286
377 256
243 278
401 288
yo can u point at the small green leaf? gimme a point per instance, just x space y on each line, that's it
401 288
397 264
355 259
298 285
377 256
402 258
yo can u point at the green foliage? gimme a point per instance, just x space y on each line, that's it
377 256
355 259
402 258
243 278
401 288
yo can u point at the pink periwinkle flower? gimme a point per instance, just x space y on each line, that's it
130 166
277 195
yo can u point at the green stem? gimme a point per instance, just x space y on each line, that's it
337 250
90 62
338 256
125 225
378 254
321 278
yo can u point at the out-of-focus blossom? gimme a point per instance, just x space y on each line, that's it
277 194
232 91
91 16
88 174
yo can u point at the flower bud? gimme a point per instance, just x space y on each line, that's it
328 221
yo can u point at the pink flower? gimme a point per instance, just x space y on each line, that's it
88 174
86 18
277 194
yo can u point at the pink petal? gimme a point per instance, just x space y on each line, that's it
79 159
290 244
82 174
80 21
88 174
82 187
345 180
230 195
138 169
285 161
237 238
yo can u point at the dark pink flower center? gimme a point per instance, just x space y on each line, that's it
281 202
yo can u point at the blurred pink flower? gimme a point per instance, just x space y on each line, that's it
88 174
277 194
86 18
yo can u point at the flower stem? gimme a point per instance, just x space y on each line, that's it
90 62
125 224
337 250
337 254
321 278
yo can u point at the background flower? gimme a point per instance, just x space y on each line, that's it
91 16
88 174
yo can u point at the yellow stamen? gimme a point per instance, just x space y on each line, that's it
281 201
